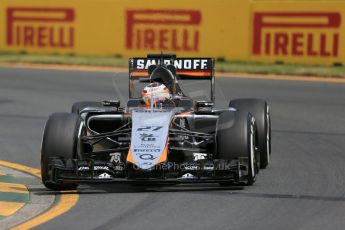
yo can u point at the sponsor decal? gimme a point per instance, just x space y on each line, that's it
149 111
84 168
147 150
180 64
145 165
119 168
163 29
104 176
188 176
190 167
208 167
147 137
40 27
147 156
199 156
115 157
150 145
308 34
149 128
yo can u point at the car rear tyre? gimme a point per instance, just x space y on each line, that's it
260 110
59 142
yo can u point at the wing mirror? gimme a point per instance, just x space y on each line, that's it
111 103
204 105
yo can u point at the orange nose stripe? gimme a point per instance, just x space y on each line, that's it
130 157
164 155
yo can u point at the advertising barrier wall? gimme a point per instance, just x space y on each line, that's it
270 31
305 32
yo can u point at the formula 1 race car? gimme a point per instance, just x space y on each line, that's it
166 134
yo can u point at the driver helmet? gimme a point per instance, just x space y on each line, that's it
155 92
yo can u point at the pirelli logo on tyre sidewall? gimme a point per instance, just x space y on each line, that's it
163 29
296 34
40 27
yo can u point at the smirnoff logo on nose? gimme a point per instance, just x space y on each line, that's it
163 29
296 34
40 27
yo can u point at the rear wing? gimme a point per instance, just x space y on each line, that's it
185 67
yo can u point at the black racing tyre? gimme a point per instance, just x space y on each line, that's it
59 141
79 106
260 110
236 139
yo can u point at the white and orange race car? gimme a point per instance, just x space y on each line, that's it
180 138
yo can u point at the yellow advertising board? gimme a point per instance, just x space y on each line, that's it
300 31
287 31
127 28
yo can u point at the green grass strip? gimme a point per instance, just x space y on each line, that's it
9 179
222 66
14 197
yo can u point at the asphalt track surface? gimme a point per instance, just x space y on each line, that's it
303 187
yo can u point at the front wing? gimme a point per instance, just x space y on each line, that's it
205 171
